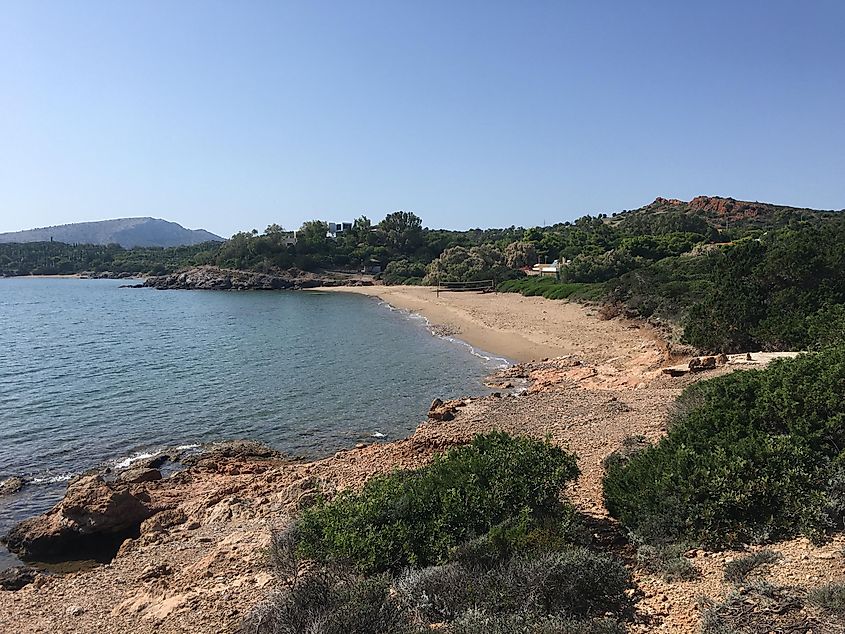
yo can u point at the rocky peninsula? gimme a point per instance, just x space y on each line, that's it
212 278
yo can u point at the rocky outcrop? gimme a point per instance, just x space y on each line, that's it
11 485
212 278
445 411
92 514
209 278
17 578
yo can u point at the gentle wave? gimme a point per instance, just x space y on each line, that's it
501 362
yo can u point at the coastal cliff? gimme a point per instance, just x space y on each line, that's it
212 278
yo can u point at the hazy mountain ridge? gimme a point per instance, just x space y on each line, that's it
127 232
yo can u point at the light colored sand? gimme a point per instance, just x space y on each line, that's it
528 328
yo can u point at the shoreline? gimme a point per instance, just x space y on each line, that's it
199 562
521 329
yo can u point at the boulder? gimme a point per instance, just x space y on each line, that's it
93 514
140 474
16 578
229 450
11 485
444 411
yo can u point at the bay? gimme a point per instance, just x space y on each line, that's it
94 374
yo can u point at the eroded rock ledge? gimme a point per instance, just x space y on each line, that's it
99 513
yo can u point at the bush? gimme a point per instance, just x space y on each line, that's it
760 608
479 622
550 288
738 571
666 560
332 602
743 460
572 583
414 518
829 597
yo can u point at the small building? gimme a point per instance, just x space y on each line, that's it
338 229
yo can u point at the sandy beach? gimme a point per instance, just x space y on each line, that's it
531 328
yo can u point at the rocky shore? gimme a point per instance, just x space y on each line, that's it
213 278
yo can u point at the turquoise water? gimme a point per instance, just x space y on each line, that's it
94 374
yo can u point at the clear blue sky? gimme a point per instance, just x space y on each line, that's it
233 115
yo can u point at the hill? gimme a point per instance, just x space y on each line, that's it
127 232
722 213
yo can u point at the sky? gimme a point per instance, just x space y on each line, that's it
234 115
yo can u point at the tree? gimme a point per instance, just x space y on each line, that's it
520 254
402 231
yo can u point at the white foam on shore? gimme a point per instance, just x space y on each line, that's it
501 362
52 479
186 447
125 462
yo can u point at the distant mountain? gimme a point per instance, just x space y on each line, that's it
127 232
721 212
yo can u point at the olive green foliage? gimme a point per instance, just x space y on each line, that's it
481 622
403 272
520 254
477 541
57 258
775 293
414 518
829 597
666 560
332 601
739 570
743 459
459 264
550 288
573 583
760 607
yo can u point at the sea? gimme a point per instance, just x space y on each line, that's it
94 375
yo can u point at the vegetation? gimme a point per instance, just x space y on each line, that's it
729 275
738 570
415 518
743 459
760 607
56 258
829 597
438 545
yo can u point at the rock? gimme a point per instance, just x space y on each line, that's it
708 362
722 359
16 578
239 449
163 521
444 411
11 485
155 571
92 514
140 474
213 278
74 610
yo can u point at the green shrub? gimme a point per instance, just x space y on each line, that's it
829 597
571 583
332 602
480 622
760 607
743 460
738 570
551 288
415 518
667 560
